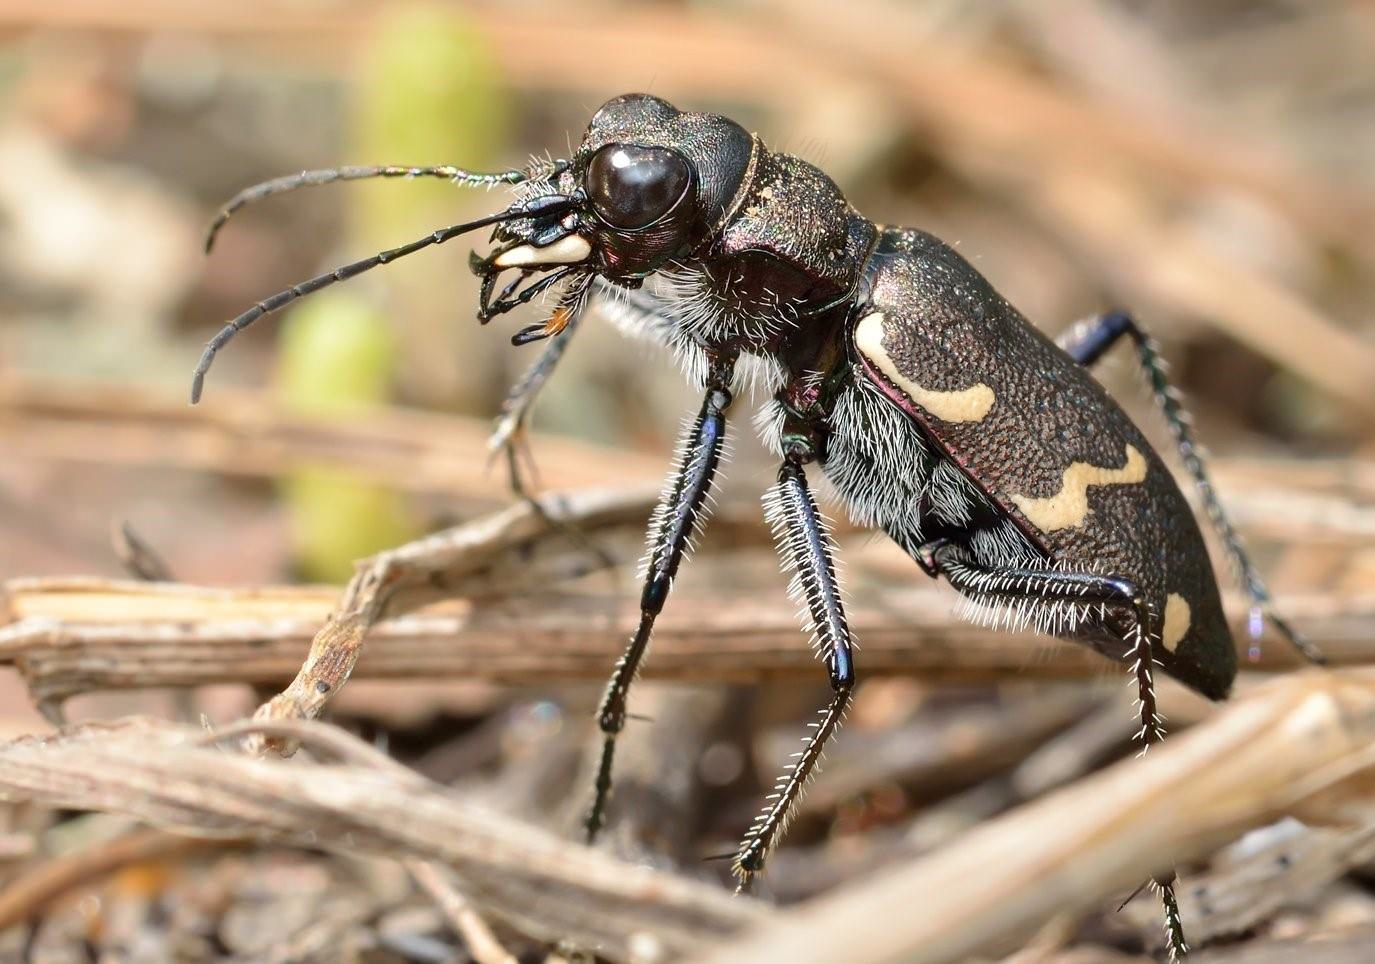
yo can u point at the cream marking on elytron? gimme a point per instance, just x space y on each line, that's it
1176 621
1070 506
966 405
567 250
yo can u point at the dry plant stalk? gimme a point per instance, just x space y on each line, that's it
1301 744
70 636
1296 745
1240 895
171 776
478 938
1350 946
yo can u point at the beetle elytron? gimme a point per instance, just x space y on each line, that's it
938 413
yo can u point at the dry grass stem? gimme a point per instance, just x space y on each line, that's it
478 938
30 893
1290 869
248 434
1298 744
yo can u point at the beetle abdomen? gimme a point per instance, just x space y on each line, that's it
1037 434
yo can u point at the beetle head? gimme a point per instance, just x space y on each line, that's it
659 182
648 186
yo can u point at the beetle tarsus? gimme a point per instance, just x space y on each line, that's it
1176 945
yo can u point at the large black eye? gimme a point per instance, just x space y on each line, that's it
632 187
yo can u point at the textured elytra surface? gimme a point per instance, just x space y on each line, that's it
946 330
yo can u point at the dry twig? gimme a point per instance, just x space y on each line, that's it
248 434
72 636
1238 894
478 937
436 565
166 775
481 943
30 893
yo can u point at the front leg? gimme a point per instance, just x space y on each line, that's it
806 549
509 433
676 520
632 310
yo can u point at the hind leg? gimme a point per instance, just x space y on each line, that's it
1066 597
1089 341
1074 597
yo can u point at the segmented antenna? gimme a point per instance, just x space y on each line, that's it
552 204
291 182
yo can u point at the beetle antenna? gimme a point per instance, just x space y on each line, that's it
291 182
553 204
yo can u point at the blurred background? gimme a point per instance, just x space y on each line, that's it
1207 165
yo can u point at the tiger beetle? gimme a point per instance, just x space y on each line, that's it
936 411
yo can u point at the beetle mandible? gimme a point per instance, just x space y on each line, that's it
938 413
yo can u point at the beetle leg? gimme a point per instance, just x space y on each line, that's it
994 584
676 520
634 308
1089 340
1086 344
1038 585
509 439
508 434
806 550
1174 924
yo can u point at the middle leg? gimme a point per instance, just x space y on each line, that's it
806 549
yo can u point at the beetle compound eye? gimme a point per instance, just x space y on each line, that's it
633 187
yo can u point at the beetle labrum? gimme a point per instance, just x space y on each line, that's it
937 412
